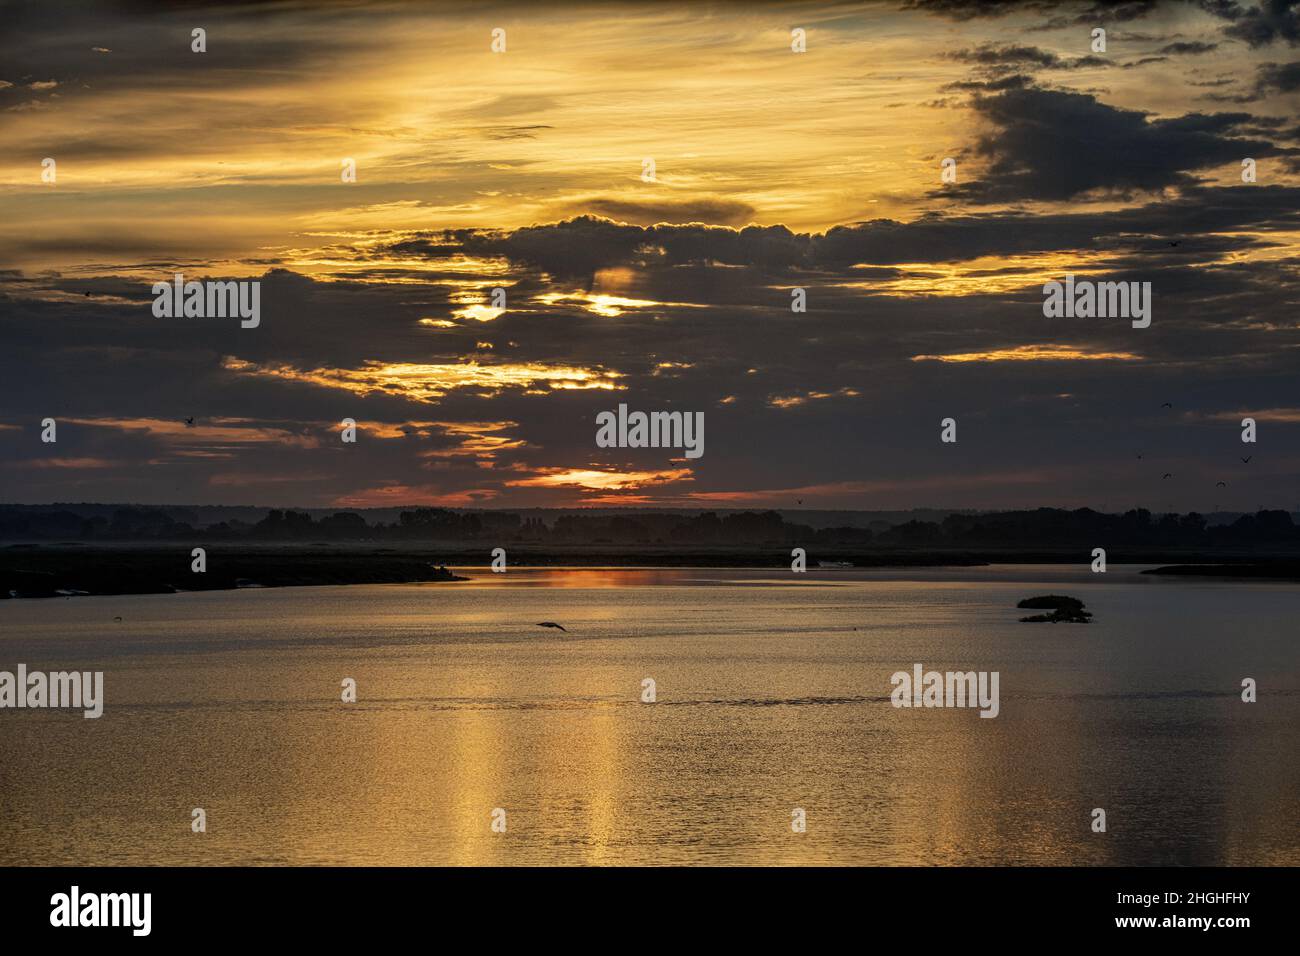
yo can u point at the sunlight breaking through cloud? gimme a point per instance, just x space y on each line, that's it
425 383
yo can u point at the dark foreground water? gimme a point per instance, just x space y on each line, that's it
772 694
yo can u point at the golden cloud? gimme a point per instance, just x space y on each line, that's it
601 480
1033 353
425 383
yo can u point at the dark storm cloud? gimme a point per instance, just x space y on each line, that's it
1270 79
1013 57
998 56
1106 11
1279 77
1057 145
1187 48
304 322
56 41
1014 81
957 238
970 9
1261 24
100 50
579 247
727 212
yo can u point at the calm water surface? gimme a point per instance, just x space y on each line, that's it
773 693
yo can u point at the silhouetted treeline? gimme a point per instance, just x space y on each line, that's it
1040 528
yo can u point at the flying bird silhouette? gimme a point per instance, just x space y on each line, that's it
1173 243
552 624
1246 460
1167 475
1222 484
1167 405
800 500
189 422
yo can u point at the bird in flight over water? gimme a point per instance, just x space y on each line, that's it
552 624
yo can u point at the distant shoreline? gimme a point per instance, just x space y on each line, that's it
1277 571
73 569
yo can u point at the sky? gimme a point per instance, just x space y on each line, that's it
526 169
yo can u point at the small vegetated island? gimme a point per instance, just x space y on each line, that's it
1065 610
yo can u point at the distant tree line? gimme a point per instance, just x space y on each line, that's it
1040 528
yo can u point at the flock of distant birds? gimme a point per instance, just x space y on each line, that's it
1170 474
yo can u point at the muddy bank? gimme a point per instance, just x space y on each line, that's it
74 572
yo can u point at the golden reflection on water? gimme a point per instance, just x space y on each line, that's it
770 697
478 754
587 577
